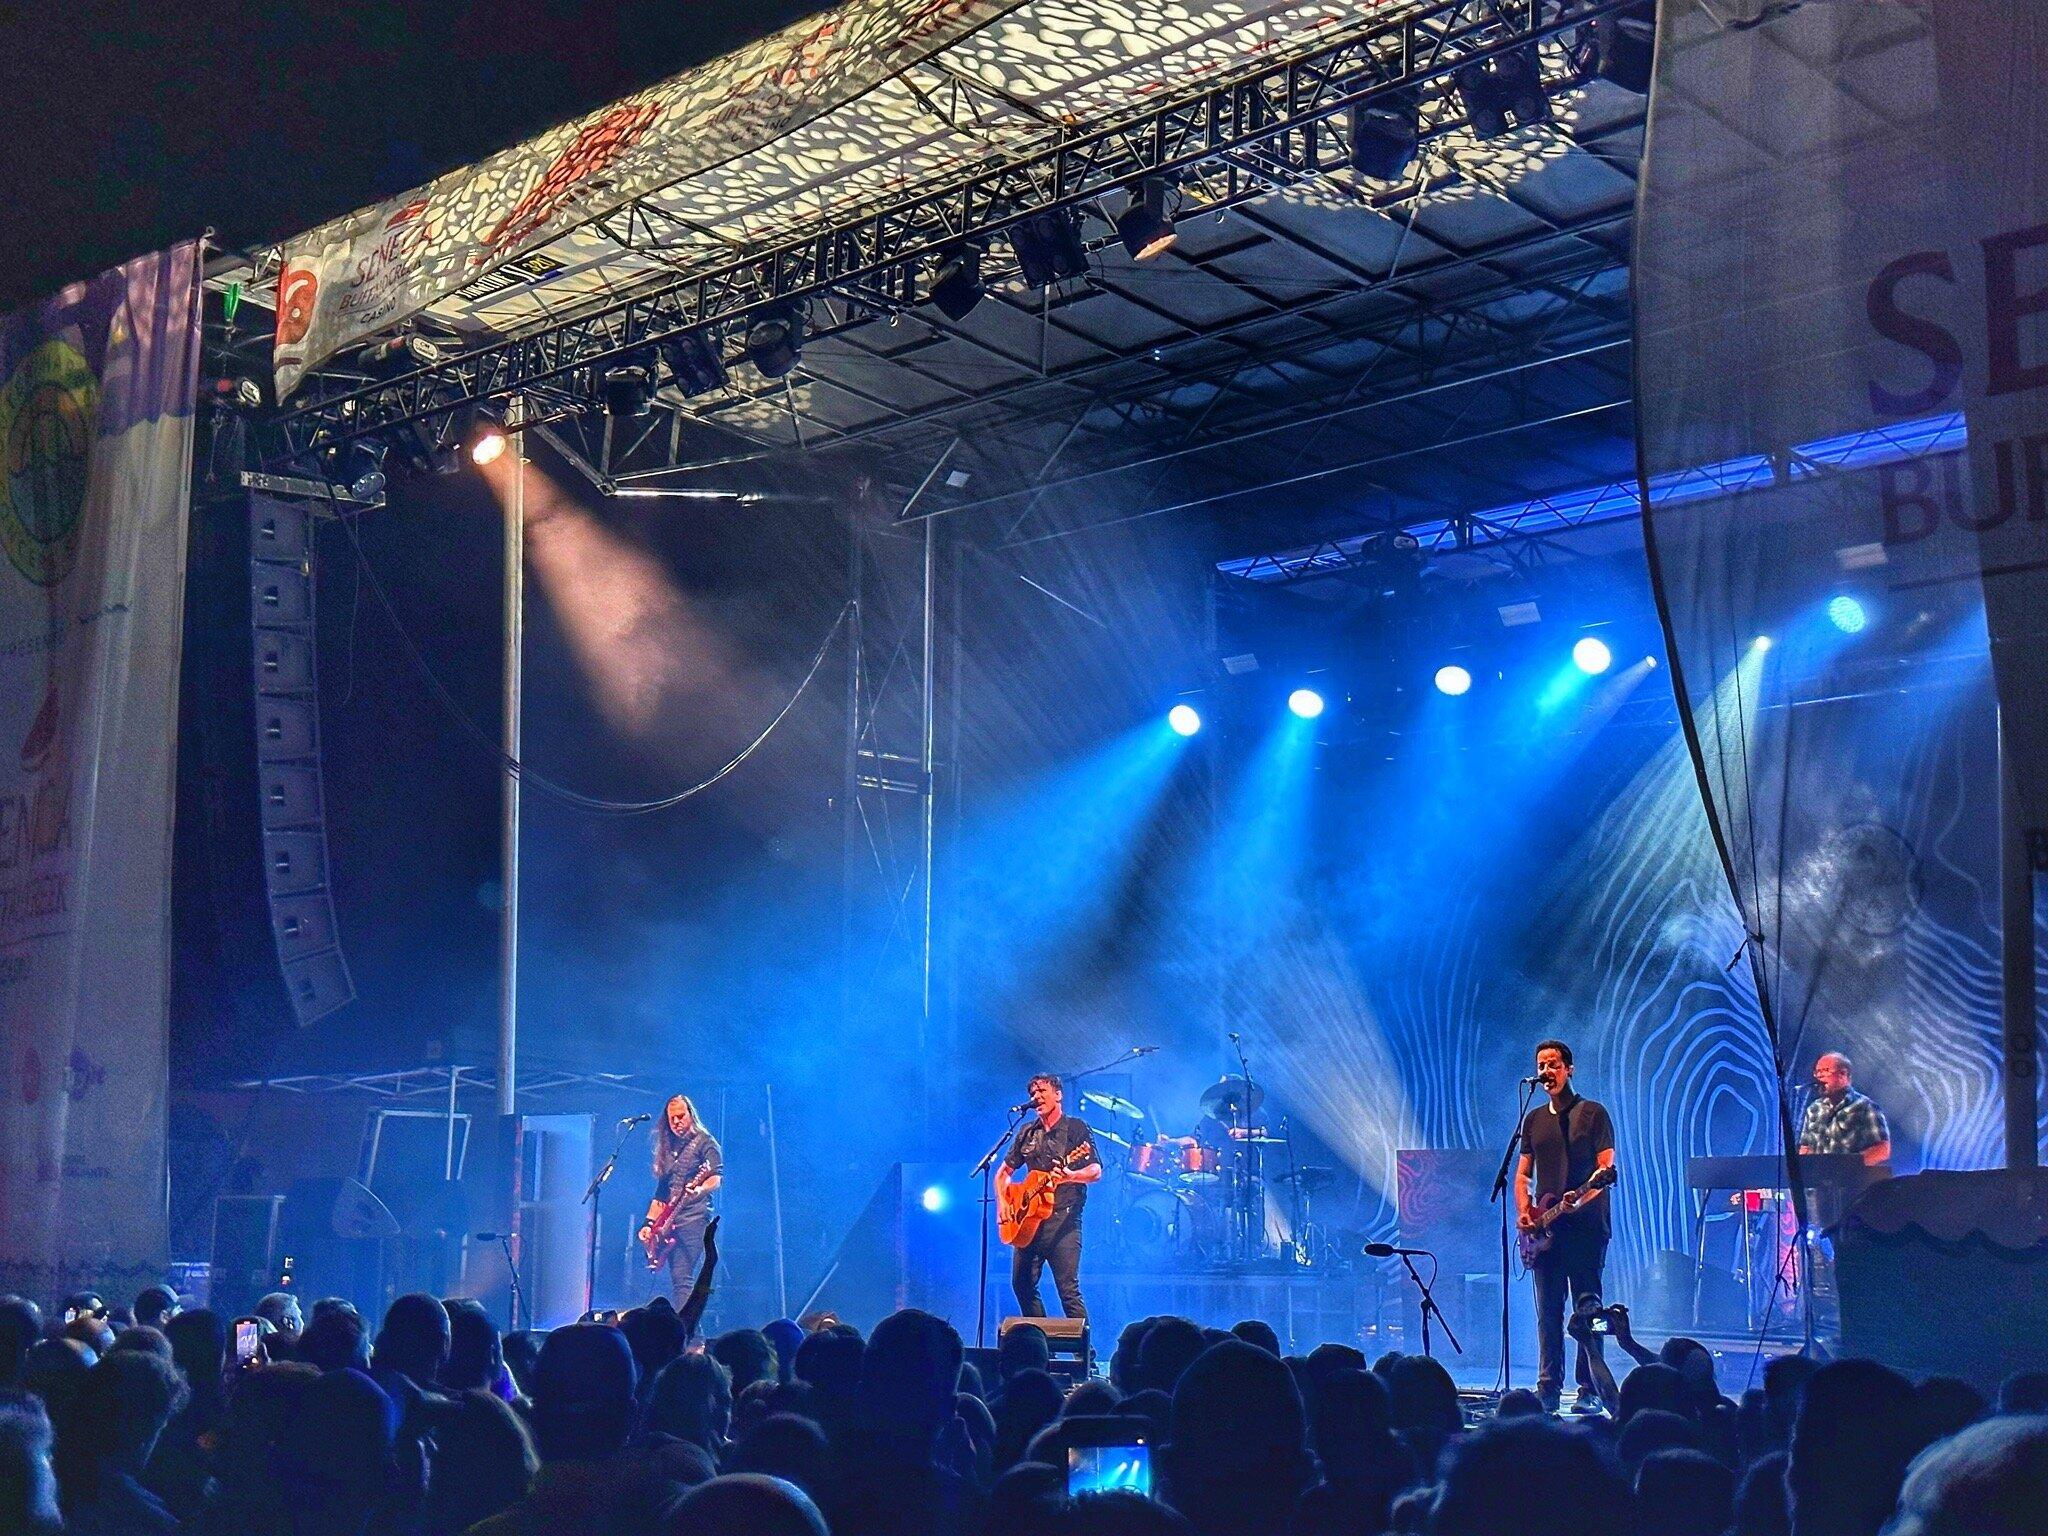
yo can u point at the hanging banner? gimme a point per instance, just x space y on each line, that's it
1841 280
96 403
362 274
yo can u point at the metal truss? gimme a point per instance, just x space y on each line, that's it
441 1083
1238 139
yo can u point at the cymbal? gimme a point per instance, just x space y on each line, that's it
1109 1136
1312 1176
1112 1103
1233 1095
1197 1180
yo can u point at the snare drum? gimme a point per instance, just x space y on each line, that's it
1198 1161
1155 1159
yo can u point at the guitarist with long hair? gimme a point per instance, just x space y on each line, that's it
688 1166
1562 1209
1056 1148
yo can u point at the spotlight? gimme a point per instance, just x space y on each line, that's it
488 444
1760 643
1184 720
775 342
356 467
1143 226
956 287
1453 680
1306 703
628 390
694 362
1384 133
1502 92
1591 656
397 354
1846 614
933 1199
1048 247
1650 662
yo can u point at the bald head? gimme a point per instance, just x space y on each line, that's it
1831 1073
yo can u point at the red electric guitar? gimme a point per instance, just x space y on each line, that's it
1023 1205
1536 1241
661 1233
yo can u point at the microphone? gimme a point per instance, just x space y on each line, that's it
1018 1109
491 1237
632 1120
1143 1050
1233 1037
1531 1082
1389 1251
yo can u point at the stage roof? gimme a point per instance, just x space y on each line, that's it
1317 338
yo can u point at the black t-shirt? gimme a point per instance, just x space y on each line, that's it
1560 1161
1042 1150
698 1153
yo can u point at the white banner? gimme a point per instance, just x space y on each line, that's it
362 274
96 399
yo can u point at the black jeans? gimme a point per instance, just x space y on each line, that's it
1572 1266
1058 1243
687 1253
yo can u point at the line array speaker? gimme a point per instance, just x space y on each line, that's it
294 815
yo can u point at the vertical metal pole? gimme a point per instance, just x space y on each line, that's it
508 835
775 1195
849 785
448 1157
2016 912
928 830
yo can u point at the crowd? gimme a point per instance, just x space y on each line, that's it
285 1424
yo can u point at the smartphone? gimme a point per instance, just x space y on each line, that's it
1108 1455
248 1335
1600 1323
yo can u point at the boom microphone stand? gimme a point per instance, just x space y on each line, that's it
1500 1190
593 1197
985 1170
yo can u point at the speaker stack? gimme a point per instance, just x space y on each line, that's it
294 816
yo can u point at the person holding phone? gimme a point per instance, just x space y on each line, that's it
1046 1145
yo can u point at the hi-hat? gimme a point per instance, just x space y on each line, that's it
1311 1177
1115 1105
1233 1096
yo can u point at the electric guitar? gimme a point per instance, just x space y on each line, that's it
661 1233
1022 1205
1536 1241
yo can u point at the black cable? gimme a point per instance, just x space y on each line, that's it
517 768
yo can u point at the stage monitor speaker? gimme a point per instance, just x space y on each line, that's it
1947 1274
1073 1355
282 608
248 1259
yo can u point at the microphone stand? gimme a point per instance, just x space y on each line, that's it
593 1197
512 1273
1251 1230
985 1170
1429 1304
1500 1190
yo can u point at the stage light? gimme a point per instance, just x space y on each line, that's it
1624 46
1453 680
1306 703
628 390
933 1199
1846 614
1048 247
1760 643
488 444
694 362
1504 92
956 287
1591 656
1184 719
1650 662
357 468
775 342
1384 133
1143 226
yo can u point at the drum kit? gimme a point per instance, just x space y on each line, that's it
1187 1201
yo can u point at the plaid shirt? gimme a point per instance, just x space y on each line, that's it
1849 1124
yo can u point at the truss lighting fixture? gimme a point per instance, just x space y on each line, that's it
1305 703
1048 247
1503 93
956 287
357 468
1847 614
1624 47
628 390
487 444
1591 656
1385 133
1184 719
775 342
1453 680
694 363
1143 226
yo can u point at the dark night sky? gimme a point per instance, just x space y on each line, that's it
124 127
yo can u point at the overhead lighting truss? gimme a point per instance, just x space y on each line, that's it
1225 144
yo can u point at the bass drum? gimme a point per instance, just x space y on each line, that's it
1152 1229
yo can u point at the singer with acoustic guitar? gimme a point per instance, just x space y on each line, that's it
688 1166
1565 1216
1041 1212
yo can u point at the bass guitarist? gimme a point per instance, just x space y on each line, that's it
1564 1143
688 1166
1046 1145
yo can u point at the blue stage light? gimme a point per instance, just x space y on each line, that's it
1592 656
1760 643
1453 680
1184 720
1847 615
934 1198
1305 702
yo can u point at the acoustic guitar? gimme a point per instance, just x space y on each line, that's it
1536 1241
1022 1205
661 1234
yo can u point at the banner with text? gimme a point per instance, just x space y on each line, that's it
96 406
359 275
